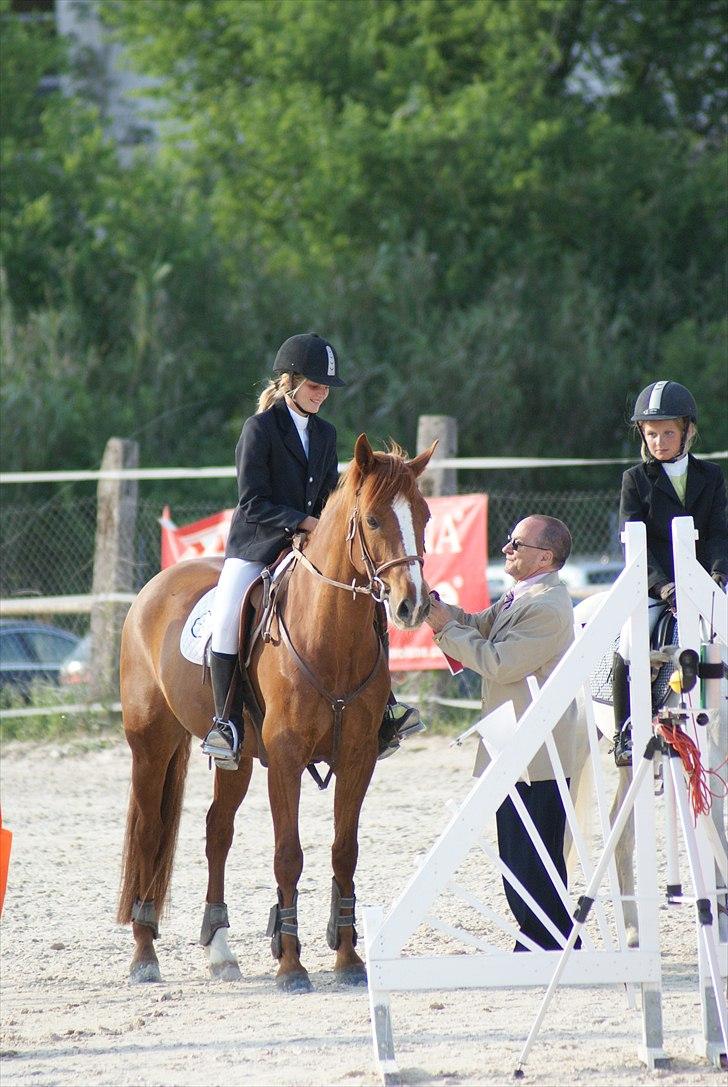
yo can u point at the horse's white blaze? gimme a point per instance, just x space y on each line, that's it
219 950
403 512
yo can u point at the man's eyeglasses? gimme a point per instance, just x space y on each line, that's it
515 544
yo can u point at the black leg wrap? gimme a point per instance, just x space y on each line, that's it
283 919
216 916
337 920
144 913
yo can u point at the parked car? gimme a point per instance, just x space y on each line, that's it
582 575
499 581
76 667
32 652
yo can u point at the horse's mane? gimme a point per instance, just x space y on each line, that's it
390 476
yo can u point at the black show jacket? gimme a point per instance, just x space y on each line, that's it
649 496
277 485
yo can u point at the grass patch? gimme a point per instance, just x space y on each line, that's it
419 688
55 725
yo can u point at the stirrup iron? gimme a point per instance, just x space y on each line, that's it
222 744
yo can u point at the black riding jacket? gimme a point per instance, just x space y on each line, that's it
648 495
277 485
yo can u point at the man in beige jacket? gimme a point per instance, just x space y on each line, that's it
526 633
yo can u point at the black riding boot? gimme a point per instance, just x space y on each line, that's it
399 721
622 722
223 741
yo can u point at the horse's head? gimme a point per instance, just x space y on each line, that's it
388 526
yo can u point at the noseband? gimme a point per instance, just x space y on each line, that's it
376 588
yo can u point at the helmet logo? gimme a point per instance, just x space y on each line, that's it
331 369
655 397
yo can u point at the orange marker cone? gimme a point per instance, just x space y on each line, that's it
6 840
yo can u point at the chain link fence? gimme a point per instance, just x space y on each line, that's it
47 546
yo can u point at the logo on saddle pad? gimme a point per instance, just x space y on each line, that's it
197 629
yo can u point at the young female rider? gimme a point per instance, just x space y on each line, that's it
287 467
668 483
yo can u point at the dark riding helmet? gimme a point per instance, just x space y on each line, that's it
665 400
311 355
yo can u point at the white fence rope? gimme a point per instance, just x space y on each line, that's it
228 471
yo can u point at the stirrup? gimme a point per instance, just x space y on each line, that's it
222 744
409 722
400 722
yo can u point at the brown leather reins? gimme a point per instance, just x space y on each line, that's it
376 587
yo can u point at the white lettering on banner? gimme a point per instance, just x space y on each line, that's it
442 536
449 591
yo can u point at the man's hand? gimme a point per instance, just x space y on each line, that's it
438 615
720 579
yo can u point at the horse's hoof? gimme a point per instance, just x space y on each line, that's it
294 983
143 972
352 976
225 971
633 936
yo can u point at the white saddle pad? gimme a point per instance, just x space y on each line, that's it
197 629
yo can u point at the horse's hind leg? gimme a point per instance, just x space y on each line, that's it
230 790
160 753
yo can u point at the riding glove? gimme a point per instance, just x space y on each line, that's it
667 593
721 580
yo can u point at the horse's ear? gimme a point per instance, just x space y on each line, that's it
420 462
363 454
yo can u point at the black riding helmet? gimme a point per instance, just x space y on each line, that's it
665 400
310 355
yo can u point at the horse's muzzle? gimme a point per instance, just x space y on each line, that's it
410 613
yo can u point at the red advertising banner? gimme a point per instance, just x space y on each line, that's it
456 549
455 565
205 537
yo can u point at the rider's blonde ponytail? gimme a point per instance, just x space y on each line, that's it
275 390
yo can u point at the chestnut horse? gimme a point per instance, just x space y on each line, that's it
322 663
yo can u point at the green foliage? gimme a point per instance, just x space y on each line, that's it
509 212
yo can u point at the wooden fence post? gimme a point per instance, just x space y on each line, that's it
114 564
438 481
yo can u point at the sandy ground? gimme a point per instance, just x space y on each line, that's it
69 1015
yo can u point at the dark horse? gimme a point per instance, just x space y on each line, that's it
321 680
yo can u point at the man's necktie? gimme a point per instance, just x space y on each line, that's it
507 600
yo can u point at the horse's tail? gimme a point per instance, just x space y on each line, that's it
170 814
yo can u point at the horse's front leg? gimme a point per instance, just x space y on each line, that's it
284 791
352 781
230 790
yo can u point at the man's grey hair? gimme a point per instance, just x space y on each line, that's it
555 536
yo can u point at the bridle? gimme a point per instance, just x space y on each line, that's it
376 588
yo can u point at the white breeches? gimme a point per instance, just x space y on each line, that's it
235 577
